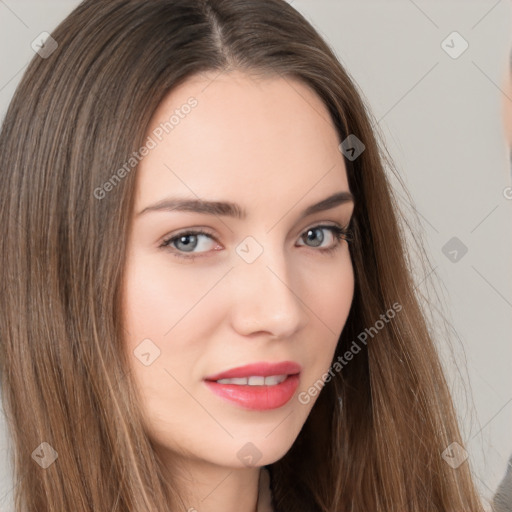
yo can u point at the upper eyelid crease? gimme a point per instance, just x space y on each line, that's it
230 209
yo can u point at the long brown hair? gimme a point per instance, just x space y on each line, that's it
374 438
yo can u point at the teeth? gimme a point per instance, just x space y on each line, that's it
271 380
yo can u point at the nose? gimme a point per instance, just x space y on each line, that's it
266 297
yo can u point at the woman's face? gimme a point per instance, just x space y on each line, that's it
261 287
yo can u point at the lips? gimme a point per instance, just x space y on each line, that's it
258 398
261 369
261 386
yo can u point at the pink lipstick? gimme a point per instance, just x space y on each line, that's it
259 386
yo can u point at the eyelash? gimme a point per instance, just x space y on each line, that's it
338 232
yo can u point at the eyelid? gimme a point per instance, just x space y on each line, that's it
188 231
346 234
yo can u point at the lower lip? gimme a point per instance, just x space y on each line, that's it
259 398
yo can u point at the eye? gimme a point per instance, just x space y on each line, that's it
186 242
337 233
183 245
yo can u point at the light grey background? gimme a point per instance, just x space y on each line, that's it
442 121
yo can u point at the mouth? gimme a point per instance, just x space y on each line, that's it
256 392
258 386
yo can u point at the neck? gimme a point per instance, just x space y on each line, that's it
206 487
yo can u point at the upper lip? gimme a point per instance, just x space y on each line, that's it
262 369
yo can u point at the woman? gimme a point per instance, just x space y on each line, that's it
267 370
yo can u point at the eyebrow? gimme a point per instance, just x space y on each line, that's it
229 209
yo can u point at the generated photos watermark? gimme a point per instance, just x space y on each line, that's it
152 141
305 396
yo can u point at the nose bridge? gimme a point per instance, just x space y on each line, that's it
264 290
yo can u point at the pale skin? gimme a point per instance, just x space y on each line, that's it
270 146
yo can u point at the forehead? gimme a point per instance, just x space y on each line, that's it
245 137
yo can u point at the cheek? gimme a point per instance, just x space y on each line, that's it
329 299
330 290
158 295
157 307
174 306
163 346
